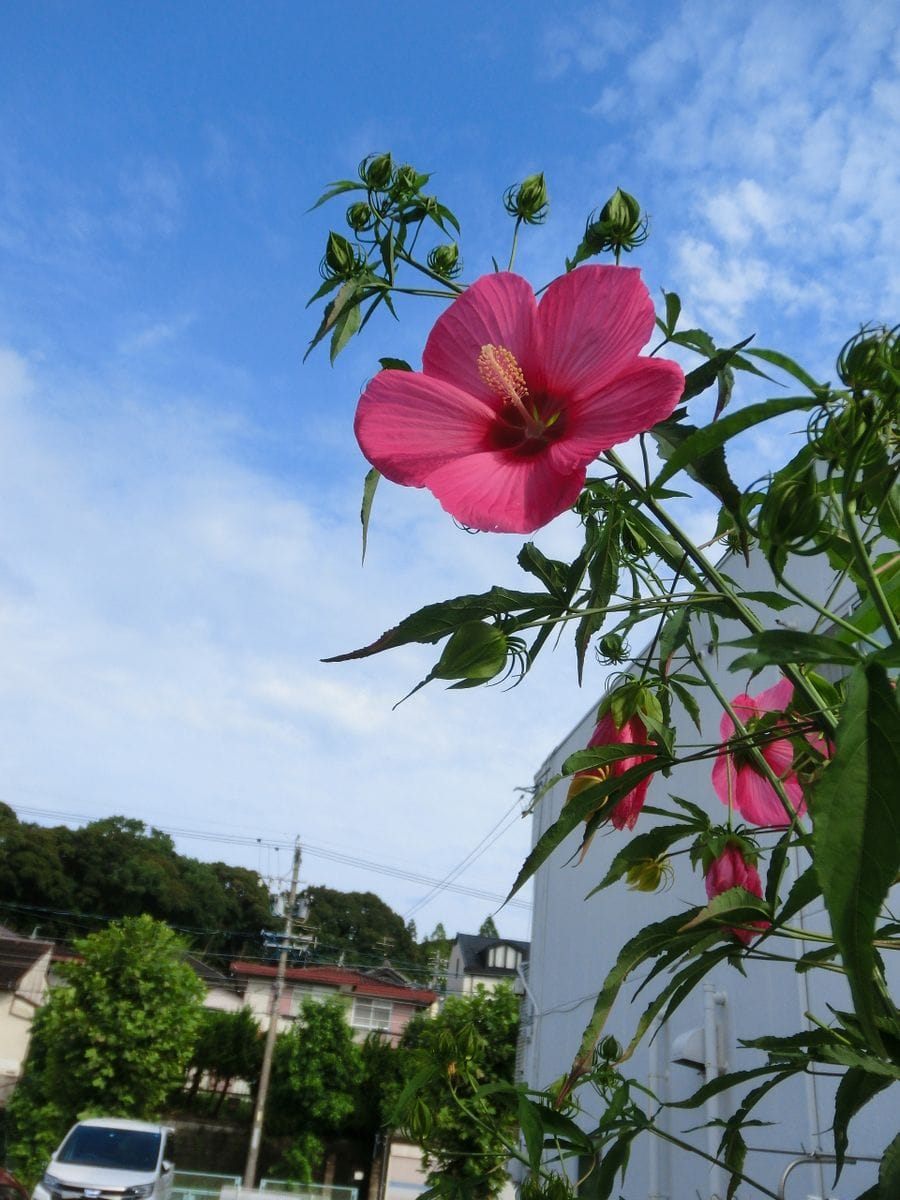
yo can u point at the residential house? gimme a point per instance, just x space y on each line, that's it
477 961
376 1001
24 963
576 937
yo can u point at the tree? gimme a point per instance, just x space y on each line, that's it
488 927
446 1060
316 1074
118 867
113 1039
228 1046
360 925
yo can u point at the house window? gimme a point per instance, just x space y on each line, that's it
371 1014
504 957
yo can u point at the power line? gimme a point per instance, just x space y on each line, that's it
485 844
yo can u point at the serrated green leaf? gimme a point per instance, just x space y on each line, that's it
711 437
435 621
369 486
688 702
736 904
889 1171
804 891
773 600
336 189
550 571
333 310
778 647
345 326
709 469
857 832
777 359
696 339
673 311
705 376
854 1091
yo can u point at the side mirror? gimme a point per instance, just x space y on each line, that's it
167 1166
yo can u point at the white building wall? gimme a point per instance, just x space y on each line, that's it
575 941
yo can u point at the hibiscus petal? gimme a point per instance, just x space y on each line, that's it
500 493
777 698
632 403
408 424
593 322
757 801
497 310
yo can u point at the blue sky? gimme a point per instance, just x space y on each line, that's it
180 542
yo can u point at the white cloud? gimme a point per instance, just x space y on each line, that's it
162 619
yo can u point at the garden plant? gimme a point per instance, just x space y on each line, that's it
525 391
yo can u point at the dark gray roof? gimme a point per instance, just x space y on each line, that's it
473 950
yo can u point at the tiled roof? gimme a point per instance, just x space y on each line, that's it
340 977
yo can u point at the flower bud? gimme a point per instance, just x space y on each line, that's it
406 182
650 874
376 171
359 216
620 226
791 512
734 867
867 360
613 648
529 201
445 260
341 259
609 1049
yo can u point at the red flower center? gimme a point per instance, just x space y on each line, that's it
525 423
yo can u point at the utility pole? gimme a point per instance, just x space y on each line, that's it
259 1110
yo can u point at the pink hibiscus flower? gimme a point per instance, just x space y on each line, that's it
737 777
516 398
607 733
732 870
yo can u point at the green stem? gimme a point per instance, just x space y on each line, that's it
515 243
456 288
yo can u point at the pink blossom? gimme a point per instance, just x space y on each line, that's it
737 777
732 870
607 733
516 398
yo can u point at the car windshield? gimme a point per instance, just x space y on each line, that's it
125 1149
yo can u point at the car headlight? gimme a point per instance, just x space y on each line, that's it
139 1191
51 1183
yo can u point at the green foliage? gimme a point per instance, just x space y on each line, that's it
453 1103
316 1071
117 867
228 1046
360 926
114 1039
831 514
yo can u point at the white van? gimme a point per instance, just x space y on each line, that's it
107 1158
